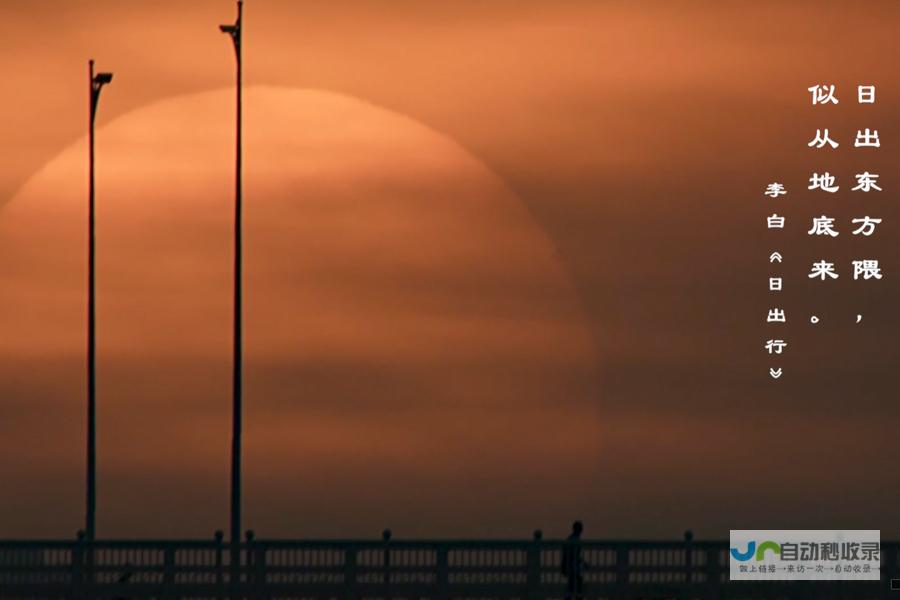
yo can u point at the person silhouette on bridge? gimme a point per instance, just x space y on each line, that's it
572 565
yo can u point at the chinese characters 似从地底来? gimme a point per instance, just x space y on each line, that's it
824 225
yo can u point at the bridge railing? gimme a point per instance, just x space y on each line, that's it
376 569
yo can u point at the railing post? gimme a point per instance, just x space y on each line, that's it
78 566
621 570
169 571
249 572
220 579
713 572
533 564
888 567
688 557
235 570
386 563
350 556
443 572
259 571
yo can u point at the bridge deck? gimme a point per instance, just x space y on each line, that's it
440 570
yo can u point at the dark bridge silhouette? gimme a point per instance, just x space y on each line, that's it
390 568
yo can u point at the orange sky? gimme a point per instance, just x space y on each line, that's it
628 143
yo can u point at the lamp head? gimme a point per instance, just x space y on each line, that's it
234 30
97 83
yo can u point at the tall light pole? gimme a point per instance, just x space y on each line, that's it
95 84
237 366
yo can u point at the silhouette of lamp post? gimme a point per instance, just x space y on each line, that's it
237 367
96 83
